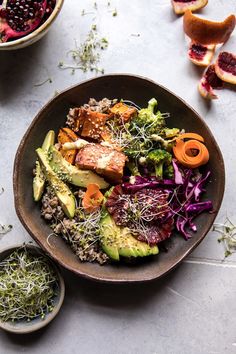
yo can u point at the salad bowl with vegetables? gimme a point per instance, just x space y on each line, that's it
118 179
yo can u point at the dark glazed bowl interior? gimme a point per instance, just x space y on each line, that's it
53 116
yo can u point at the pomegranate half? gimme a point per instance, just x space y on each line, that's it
20 17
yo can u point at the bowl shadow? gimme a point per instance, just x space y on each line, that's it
15 77
116 296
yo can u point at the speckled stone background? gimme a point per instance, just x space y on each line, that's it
192 310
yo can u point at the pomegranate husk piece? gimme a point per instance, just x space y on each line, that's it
209 82
201 55
208 32
7 31
225 67
180 7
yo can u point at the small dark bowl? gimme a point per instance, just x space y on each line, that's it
53 116
23 327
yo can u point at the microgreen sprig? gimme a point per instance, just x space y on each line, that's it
227 231
86 57
4 229
27 286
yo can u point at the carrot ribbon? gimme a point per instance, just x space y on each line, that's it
192 153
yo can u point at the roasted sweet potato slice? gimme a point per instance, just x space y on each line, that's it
94 124
67 135
124 112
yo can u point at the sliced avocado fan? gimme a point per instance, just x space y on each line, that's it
73 174
39 179
118 241
62 191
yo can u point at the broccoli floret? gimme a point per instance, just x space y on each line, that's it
159 159
132 166
168 172
170 132
148 119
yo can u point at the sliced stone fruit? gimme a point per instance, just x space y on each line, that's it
201 55
208 32
225 67
180 6
209 82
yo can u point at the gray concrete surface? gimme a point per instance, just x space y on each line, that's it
192 310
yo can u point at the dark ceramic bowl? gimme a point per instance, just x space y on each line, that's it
23 327
53 116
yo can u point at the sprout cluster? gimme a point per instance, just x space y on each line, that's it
28 286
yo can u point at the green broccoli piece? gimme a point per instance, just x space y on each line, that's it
159 159
132 166
170 132
168 172
147 118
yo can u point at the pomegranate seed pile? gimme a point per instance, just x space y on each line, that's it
19 12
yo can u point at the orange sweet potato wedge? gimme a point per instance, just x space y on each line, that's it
66 135
125 112
94 124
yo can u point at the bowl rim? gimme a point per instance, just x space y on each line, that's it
19 208
51 315
38 30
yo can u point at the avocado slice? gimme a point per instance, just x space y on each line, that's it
39 179
62 191
72 174
118 241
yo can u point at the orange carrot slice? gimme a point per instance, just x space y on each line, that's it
191 153
92 198
190 136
